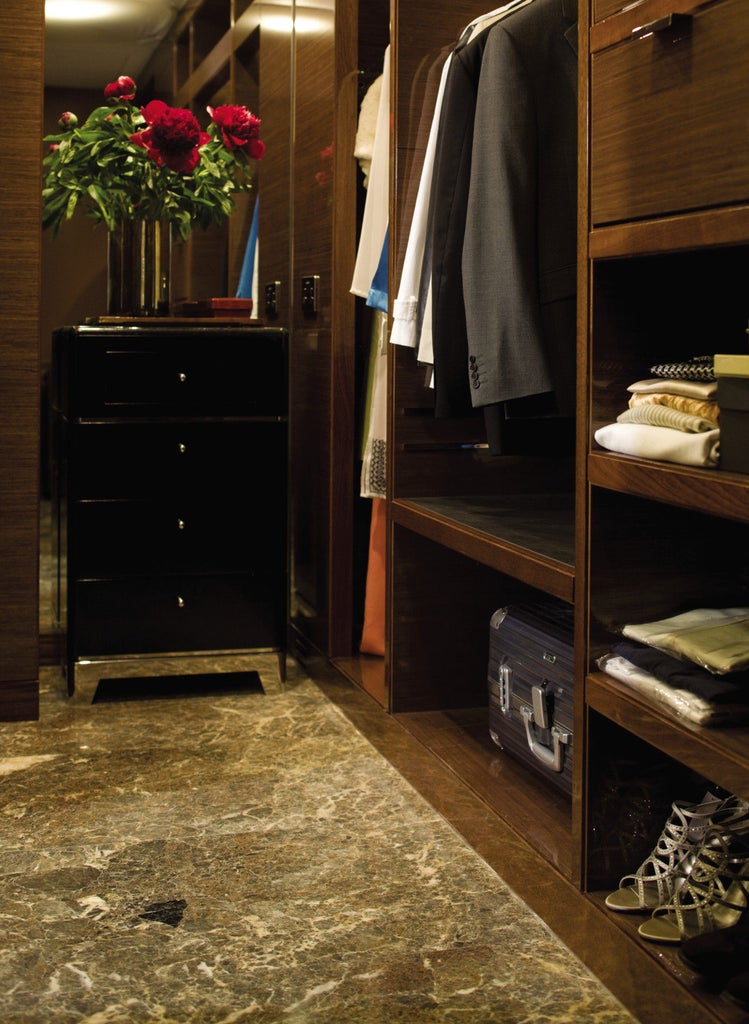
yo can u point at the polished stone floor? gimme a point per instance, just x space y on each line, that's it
250 857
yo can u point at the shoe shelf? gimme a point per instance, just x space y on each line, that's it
527 536
711 491
664 220
700 1000
719 754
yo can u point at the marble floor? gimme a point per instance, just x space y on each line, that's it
251 857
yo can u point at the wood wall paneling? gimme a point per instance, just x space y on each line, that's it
274 170
311 226
21 64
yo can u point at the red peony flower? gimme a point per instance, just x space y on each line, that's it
124 88
147 163
240 129
172 138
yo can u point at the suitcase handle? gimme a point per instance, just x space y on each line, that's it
552 757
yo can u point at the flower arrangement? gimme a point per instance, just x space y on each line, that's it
152 163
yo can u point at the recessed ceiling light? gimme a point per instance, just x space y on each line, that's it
81 10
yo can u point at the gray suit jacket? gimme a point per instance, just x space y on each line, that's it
519 248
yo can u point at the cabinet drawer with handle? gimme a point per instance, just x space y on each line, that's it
178 613
669 128
136 460
127 538
150 372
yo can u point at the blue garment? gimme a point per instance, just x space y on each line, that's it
244 288
378 293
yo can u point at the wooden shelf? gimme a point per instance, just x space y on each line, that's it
460 739
719 754
707 1005
726 226
703 490
528 536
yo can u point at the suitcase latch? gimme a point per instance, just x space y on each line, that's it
540 706
505 688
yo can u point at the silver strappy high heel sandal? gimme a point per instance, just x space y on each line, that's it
660 875
713 895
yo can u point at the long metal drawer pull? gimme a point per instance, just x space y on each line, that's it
552 757
667 22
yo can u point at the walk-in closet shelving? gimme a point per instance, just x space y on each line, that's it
470 531
665 261
662 275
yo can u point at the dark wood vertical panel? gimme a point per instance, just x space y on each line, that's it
311 339
274 170
21 64
343 361
314 127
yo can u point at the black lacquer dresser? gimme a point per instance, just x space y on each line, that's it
169 454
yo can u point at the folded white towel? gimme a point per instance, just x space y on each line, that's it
662 443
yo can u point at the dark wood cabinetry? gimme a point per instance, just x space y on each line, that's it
664 265
171 471
660 90
469 531
662 269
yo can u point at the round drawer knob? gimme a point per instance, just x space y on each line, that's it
180 524
181 448
182 377
180 602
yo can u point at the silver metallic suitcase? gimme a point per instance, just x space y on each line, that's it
530 688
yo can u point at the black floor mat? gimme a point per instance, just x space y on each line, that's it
207 684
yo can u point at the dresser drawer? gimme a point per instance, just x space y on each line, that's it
141 372
127 538
168 614
605 8
219 461
669 118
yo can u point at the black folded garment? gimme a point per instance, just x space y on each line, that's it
732 688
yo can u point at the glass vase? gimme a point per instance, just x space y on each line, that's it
139 268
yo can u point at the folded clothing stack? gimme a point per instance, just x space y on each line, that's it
671 417
695 664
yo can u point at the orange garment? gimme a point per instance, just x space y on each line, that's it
373 630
